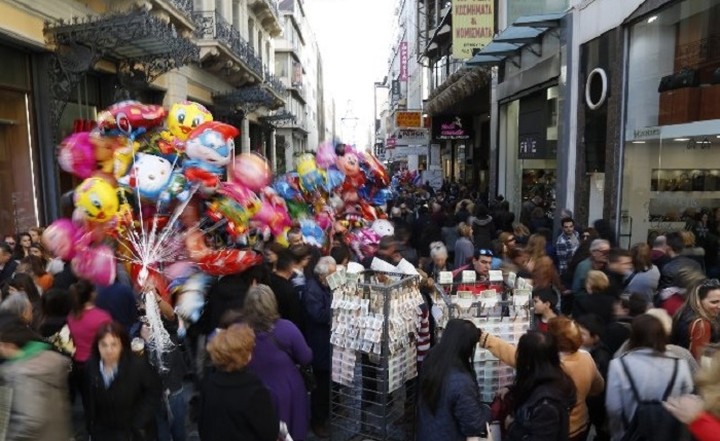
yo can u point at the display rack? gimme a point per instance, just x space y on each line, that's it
374 357
508 316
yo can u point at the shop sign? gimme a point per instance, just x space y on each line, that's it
395 90
451 127
405 151
473 26
434 176
646 133
408 119
390 142
532 129
412 137
403 61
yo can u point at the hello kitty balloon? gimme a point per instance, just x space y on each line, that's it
150 175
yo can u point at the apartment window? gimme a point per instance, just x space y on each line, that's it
236 14
259 45
251 32
281 65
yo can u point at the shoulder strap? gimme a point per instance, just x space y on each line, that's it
279 346
670 385
630 380
629 279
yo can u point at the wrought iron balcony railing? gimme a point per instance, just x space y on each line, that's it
212 26
184 6
275 84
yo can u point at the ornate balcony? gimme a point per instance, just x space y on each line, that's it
276 86
225 52
177 12
268 14
142 45
246 99
279 118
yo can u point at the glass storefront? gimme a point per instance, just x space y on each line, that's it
19 207
671 173
529 126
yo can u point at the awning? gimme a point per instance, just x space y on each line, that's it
523 32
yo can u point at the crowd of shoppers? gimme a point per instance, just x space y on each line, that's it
604 317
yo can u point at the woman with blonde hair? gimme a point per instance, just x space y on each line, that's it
522 233
579 365
279 348
645 276
701 414
464 248
695 324
234 404
508 242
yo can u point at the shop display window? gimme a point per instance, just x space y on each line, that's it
671 166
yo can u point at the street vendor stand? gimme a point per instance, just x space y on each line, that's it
374 356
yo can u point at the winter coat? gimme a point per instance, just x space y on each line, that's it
460 413
40 409
124 409
235 406
483 231
544 416
317 302
619 399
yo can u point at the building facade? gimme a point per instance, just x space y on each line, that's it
67 60
299 66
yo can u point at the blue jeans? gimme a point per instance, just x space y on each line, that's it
171 417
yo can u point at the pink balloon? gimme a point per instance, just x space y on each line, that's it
252 171
273 216
60 238
326 156
96 264
76 155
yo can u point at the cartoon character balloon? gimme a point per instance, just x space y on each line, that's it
209 148
252 171
310 177
349 163
184 117
97 200
150 175
130 118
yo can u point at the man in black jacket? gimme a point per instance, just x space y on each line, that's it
7 264
289 305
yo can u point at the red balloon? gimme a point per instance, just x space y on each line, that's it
228 261
154 279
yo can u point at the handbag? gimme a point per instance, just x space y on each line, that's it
488 437
306 370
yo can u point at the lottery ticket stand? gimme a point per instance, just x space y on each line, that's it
374 357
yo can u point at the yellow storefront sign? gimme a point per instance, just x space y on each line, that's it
408 119
472 26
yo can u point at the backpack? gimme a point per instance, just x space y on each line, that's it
651 422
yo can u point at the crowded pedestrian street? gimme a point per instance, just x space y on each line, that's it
360 220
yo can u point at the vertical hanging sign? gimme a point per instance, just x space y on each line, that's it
403 61
473 26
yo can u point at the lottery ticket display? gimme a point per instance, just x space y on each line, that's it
506 314
376 315
492 374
